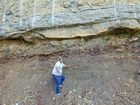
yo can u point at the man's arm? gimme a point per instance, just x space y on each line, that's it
67 66
58 70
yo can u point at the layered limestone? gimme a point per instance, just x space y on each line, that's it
66 18
104 70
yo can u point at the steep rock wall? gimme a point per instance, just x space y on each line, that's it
66 18
105 70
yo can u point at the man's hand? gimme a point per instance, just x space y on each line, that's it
67 66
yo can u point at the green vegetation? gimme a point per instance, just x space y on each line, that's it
29 44
122 35
126 35
105 36
137 34
0 43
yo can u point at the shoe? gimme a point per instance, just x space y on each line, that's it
58 93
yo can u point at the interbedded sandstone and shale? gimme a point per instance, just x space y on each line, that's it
99 39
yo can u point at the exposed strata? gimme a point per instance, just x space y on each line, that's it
66 19
103 71
105 68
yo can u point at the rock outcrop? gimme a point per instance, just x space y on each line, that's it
66 19
98 38
103 72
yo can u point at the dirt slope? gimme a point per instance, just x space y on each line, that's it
107 75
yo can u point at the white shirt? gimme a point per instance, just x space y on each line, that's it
60 65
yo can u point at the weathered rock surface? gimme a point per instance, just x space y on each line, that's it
105 70
99 38
66 19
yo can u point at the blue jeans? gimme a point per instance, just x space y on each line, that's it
58 80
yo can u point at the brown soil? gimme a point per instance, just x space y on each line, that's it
106 76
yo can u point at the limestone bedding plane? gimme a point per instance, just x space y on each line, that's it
66 19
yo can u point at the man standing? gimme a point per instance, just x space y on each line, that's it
57 74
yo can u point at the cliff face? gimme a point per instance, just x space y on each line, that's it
66 18
100 39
